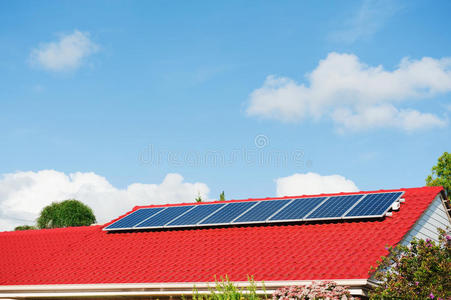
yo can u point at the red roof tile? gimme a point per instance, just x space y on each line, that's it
333 250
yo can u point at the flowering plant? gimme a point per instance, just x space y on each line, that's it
418 271
327 290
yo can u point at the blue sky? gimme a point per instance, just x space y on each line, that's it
92 92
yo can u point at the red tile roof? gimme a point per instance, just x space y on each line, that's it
327 250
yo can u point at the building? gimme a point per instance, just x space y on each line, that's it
88 262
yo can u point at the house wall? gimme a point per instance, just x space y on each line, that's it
426 227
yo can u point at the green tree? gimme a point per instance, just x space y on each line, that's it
222 196
441 173
418 271
198 198
65 214
24 227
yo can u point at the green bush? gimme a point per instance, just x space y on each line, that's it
225 290
65 214
318 290
24 227
418 271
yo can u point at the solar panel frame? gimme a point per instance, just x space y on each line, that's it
181 215
355 204
275 213
309 218
222 205
401 193
324 199
158 210
227 223
235 221
246 211
170 218
221 208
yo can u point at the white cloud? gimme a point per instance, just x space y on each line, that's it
385 116
68 53
368 19
312 184
354 95
24 194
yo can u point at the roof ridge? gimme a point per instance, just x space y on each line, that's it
277 198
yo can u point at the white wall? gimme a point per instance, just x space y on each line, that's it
426 227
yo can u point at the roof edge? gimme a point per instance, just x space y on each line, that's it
356 286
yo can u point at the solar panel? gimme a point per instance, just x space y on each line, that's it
164 217
297 209
374 205
134 218
228 213
262 211
196 215
334 207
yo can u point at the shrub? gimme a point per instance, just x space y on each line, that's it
24 227
421 270
317 290
225 290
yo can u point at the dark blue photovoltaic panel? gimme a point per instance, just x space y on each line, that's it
374 204
134 218
297 209
228 213
262 211
334 207
196 215
165 216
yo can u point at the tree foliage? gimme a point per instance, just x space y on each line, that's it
222 196
66 213
24 227
418 271
198 198
441 173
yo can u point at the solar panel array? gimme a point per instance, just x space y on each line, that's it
262 211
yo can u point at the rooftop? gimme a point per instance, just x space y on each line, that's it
339 249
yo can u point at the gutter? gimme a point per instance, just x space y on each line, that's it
357 287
